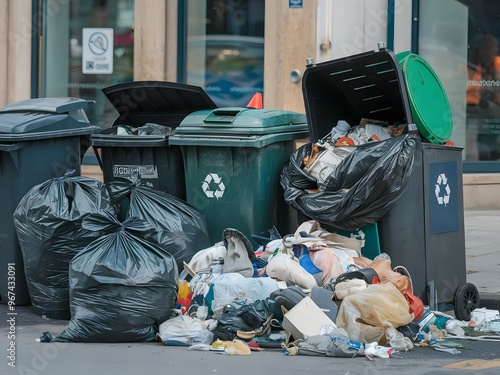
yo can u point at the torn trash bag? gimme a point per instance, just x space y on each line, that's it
359 191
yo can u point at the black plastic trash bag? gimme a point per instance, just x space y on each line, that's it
362 188
48 225
122 287
244 318
178 227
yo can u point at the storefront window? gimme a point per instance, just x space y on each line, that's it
460 40
80 64
225 49
483 80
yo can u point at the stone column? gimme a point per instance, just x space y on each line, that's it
155 40
15 43
290 38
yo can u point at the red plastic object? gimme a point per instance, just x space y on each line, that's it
256 101
450 143
344 141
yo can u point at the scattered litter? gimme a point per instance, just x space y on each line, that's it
442 348
199 347
482 315
374 350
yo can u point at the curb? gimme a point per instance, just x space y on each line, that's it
489 300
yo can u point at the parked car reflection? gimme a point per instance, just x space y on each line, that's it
233 69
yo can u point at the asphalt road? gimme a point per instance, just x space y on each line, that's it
33 358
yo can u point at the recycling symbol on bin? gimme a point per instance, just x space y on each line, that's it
213 186
442 190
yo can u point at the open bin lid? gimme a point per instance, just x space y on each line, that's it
368 85
164 103
45 118
428 99
239 126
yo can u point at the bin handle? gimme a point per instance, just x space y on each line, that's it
9 147
223 115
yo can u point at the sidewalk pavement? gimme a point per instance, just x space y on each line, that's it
482 249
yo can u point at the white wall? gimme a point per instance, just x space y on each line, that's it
347 28
402 25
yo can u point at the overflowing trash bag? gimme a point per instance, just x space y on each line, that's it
359 191
178 227
48 225
122 287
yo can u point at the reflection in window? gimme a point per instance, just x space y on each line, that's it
225 53
62 65
483 81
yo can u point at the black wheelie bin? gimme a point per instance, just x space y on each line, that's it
137 145
424 229
40 139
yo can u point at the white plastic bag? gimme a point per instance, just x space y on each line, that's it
321 165
229 286
185 331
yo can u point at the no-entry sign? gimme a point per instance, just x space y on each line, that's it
97 50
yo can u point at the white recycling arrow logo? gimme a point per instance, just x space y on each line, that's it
442 190
214 180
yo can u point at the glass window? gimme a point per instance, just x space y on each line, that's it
442 43
225 49
460 40
62 49
483 80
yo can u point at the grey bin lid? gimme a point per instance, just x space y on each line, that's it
45 118
164 103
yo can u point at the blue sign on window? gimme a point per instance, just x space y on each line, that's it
443 196
295 3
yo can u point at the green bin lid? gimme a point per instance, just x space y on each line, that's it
242 121
239 127
428 100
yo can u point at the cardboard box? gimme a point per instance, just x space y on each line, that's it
305 319
324 299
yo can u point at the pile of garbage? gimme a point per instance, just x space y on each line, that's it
307 293
304 294
125 263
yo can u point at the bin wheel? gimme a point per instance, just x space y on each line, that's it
466 300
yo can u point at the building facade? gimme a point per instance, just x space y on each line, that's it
235 48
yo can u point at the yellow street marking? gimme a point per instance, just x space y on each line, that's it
475 364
